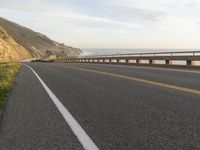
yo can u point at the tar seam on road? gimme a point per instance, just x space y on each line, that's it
169 86
81 135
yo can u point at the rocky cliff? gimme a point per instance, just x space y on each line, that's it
35 44
9 49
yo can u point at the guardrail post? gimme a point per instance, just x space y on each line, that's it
151 61
138 61
128 61
190 62
118 60
168 62
110 60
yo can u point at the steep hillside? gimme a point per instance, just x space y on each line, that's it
36 43
9 49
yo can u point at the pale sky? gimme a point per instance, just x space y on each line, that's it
111 23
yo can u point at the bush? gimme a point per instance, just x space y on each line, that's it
8 72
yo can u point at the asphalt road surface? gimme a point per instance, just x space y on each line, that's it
114 107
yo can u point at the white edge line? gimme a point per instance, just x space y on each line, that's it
81 135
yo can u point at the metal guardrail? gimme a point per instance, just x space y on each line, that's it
190 57
186 53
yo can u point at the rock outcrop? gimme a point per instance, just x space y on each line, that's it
34 44
10 49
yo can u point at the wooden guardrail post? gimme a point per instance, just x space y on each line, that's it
190 62
138 61
168 62
128 61
151 61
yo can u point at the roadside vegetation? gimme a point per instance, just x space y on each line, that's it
8 72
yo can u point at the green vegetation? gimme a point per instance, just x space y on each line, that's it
8 72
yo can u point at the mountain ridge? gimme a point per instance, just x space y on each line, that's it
37 44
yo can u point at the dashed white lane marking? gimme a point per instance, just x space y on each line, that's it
81 135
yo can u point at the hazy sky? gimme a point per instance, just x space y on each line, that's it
111 23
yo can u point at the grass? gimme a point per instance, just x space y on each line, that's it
8 71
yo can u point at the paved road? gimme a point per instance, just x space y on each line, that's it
145 111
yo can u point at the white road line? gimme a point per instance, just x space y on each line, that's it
82 136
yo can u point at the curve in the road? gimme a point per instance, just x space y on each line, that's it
174 87
82 136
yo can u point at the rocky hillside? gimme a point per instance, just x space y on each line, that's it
9 49
37 44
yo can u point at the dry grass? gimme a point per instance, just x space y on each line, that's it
8 72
